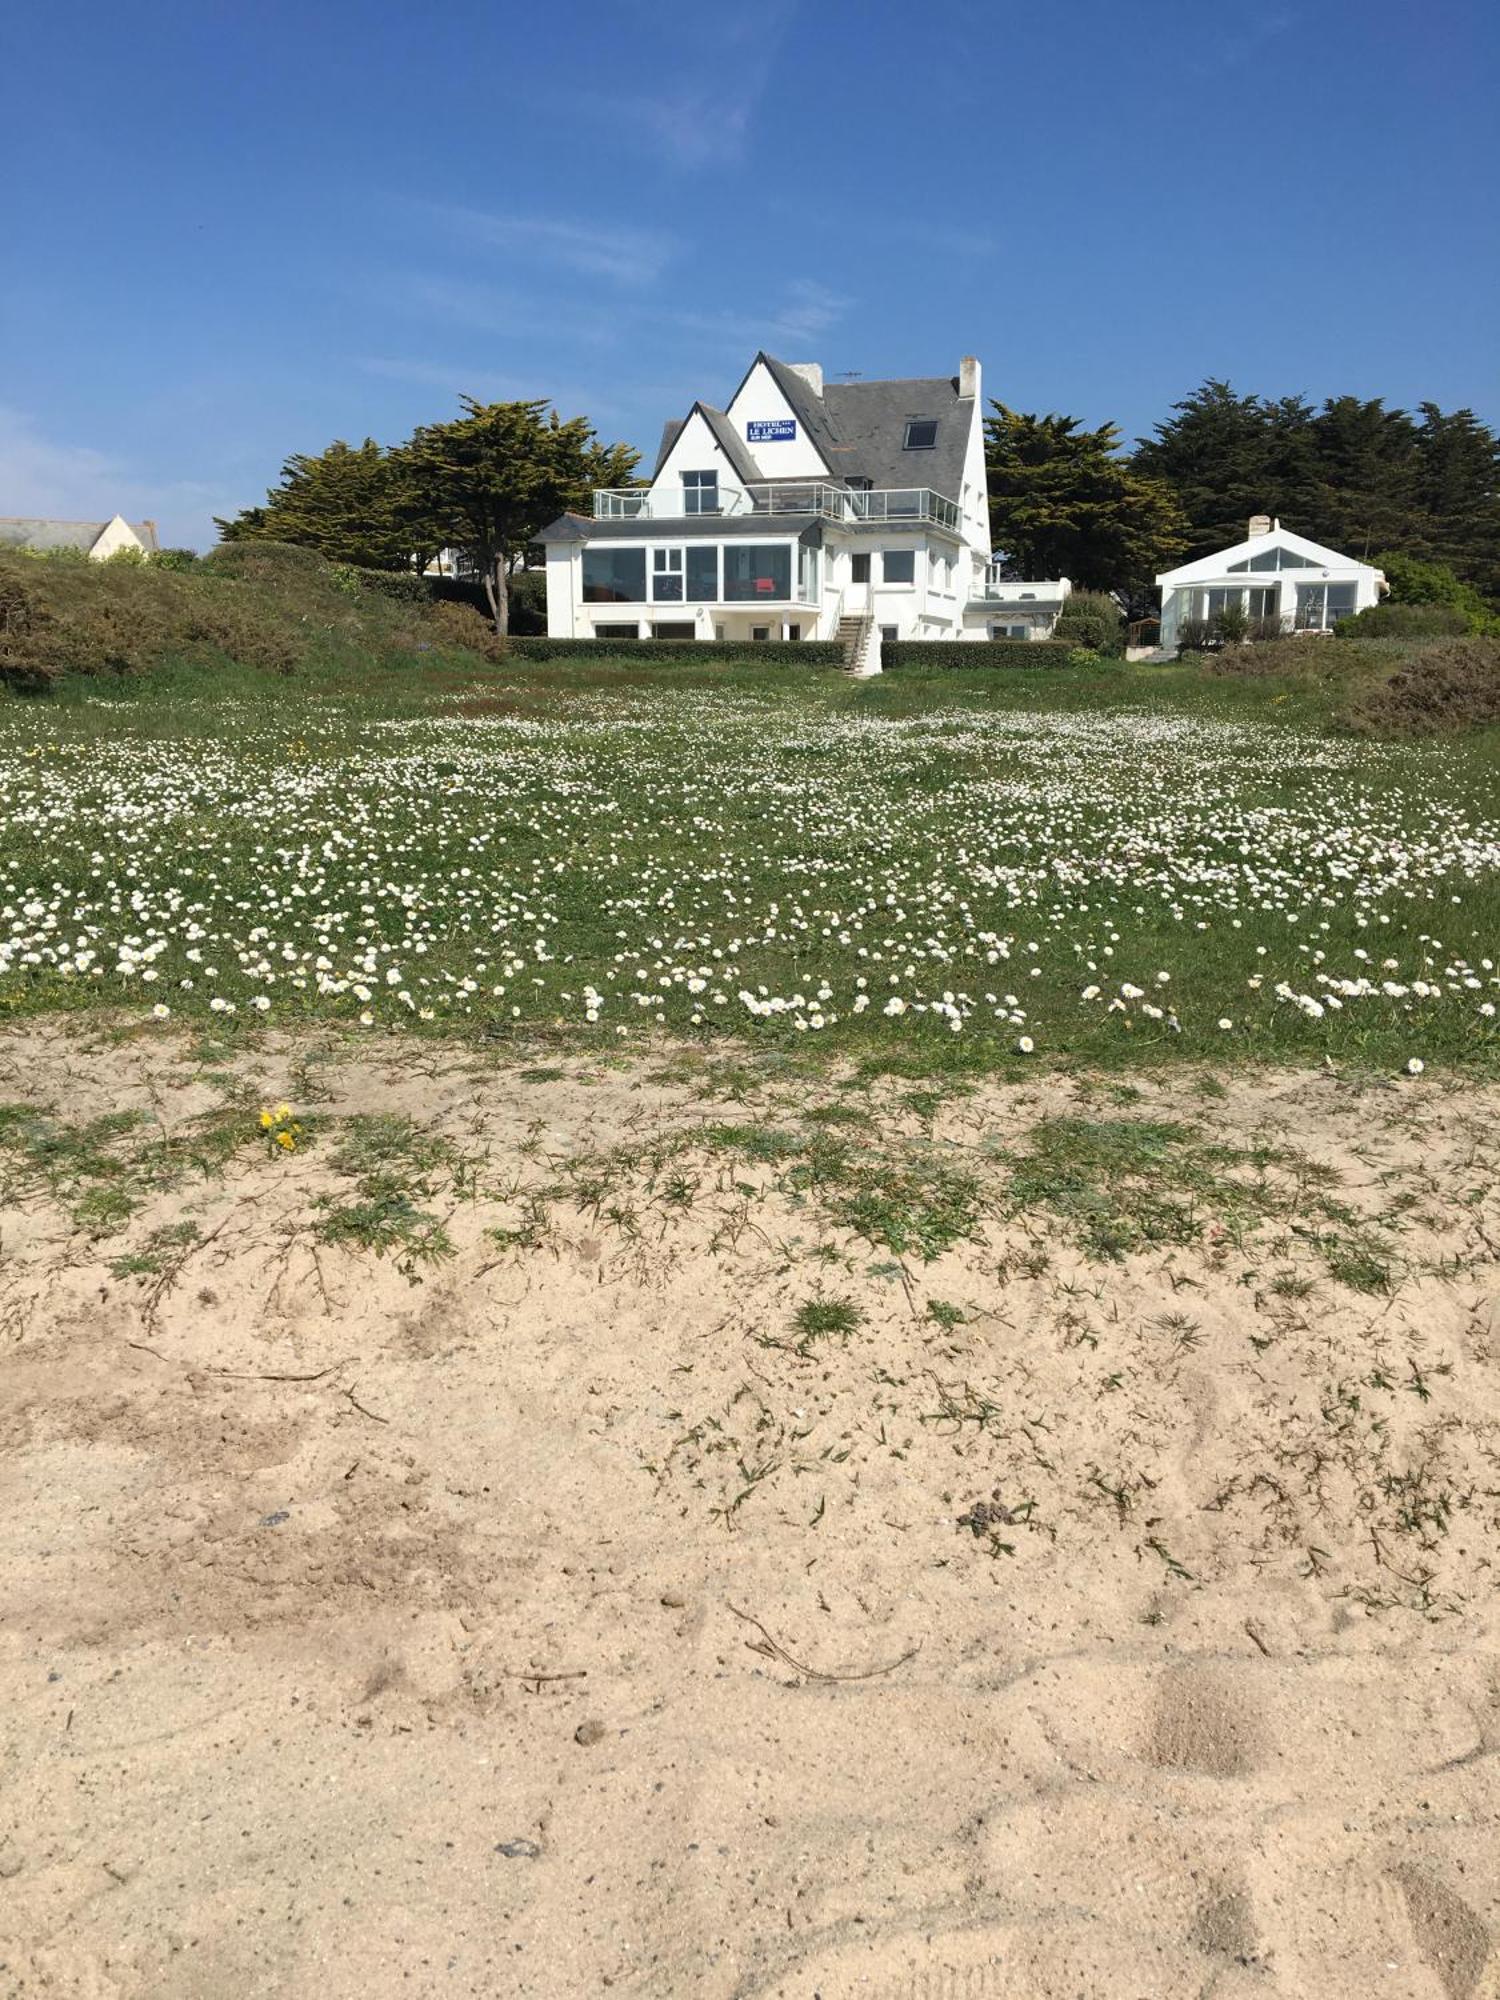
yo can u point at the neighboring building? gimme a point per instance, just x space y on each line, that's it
852 510
99 539
1272 575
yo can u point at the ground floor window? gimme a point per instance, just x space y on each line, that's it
888 632
1008 631
666 576
859 569
683 630
1258 602
617 631
898 565
703 573
614 576
794 631
760 632
757 569
807 574
1320 606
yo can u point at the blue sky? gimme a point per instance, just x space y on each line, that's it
233 232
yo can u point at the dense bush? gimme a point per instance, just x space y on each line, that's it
1451 686
455 623
1431 620
680 652
1090 618
897 653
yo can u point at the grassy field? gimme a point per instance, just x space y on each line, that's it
925 873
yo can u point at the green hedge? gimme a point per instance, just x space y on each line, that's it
692 652
974 653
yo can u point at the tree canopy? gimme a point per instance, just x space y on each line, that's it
494 477
1064 503
1353 474
483 484
347 502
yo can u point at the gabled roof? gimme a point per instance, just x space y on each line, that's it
858 429
18 531
723 430
1218 564
871 419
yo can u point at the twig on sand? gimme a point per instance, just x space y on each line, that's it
526 1674
251 1375
374 1417
771 1649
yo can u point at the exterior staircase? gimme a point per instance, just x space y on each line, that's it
853 634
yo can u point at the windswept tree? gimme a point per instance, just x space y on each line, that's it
494 477
1064 503
348 502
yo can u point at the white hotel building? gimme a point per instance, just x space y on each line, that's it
856 511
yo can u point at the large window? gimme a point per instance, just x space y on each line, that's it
807 574
1277 558
1321 605
898 566
700 492
666 576
703 573
757 570
614 576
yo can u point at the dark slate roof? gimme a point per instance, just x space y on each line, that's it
810 409
870 420
22 532
687 528
671 430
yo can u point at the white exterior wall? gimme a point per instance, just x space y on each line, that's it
1180 587
697 450
760 400
117 534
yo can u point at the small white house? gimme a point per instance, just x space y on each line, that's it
856 511
97 539
1272 575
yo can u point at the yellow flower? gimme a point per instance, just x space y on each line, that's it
286 1141
266 1121
283 1112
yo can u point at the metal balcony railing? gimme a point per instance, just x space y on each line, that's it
886 506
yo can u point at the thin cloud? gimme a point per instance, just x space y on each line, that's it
622 253
808 311
485 385
694 122
490 309
42 478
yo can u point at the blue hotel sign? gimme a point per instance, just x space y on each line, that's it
771 430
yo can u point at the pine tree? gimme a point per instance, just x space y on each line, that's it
1063 503
347 502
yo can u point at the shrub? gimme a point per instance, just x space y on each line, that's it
898 653
1231 625
264 562
1090 618
25 661
1198 635
459 624
1430 620
684 652
404 586
174 559
1451 686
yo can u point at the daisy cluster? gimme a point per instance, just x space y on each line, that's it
671 859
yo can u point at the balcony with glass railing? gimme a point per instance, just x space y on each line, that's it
1001 585
884 506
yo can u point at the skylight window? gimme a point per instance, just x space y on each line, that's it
921 433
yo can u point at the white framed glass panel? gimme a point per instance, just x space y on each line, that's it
703 573
700 493
898 566
666 576
757 571
614 576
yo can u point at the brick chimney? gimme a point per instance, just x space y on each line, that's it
968 377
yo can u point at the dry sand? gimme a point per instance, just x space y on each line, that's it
553 1625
